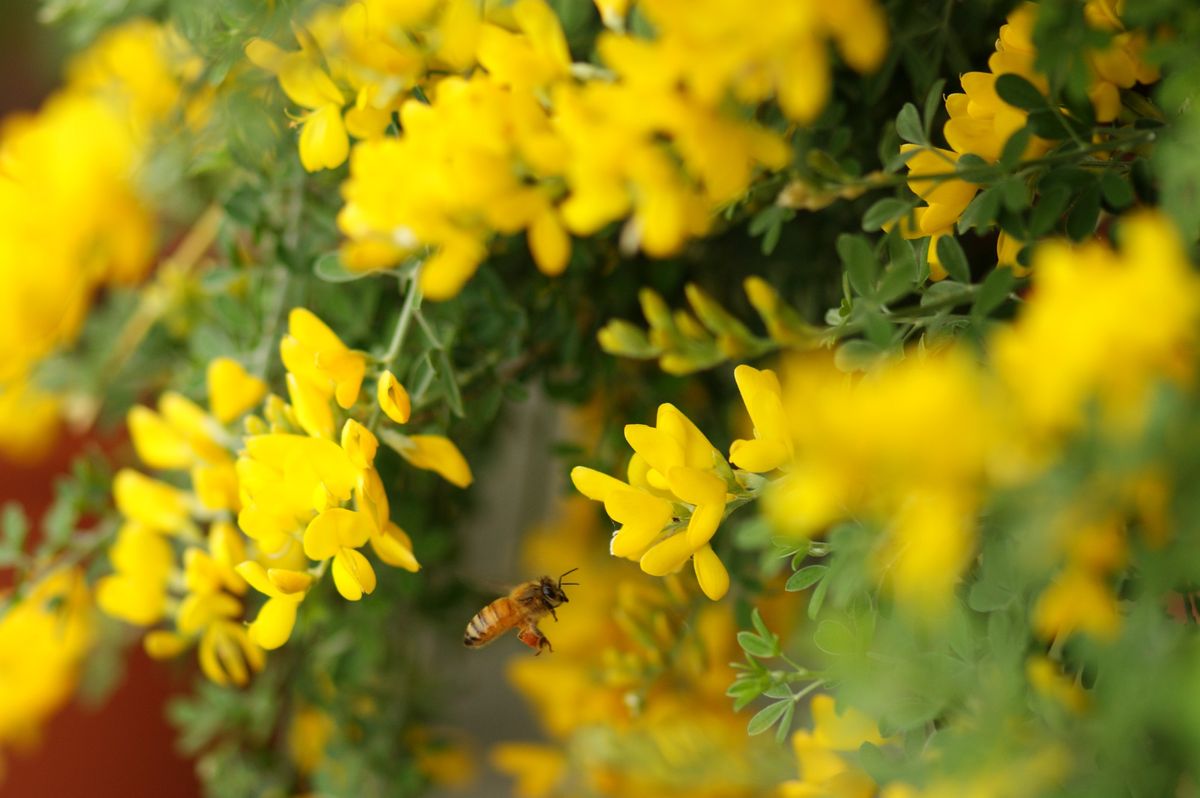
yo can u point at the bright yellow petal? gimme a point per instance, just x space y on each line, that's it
439 454
324 143
274 624
393 398
668 556
352 574
710 573
231 390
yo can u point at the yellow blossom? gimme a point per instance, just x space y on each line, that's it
438 454
338 533
315 355
1071 343
284 590
393 399
231 391
1077 601
44 638
672 463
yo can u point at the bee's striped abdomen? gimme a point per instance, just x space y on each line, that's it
490 622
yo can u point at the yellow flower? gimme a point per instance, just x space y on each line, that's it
673 464
438 454
231 391
981 123
823 769
538 769
308 736
529 61
44 638
119 90
471 164
1070 345
136 591
393 398
315 355
151 502
284 590
338 533
1050 681
324 143
772 444
1077 601
909 446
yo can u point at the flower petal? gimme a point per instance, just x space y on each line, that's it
352 574
710 573
668 556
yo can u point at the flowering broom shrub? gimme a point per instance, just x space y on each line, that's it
863 340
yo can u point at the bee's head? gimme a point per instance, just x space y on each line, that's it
552 590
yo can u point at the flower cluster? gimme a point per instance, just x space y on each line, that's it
981 123
118 91
531 142
678 490
916 445
273 506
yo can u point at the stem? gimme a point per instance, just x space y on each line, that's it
805 691
984 172
412 301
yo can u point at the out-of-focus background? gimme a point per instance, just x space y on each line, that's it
124 747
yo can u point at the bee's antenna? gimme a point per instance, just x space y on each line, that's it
567 573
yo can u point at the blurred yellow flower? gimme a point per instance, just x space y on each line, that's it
44 638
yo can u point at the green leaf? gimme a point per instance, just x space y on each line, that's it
933 101
755 646
448 382
1015 194
329 268
818 599
877 328
883 212
993 291
1048 210
767 717
1014 148
749 686
856 355
805 578
970 161
1118 193
785 722
760 625
1046 124
900 276
953 259
860 263
834 638
908 125
947 293
988 597
1019 92
981 212
1081 221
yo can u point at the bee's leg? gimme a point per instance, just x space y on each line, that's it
553 614
532 637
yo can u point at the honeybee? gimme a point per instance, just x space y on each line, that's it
521 609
